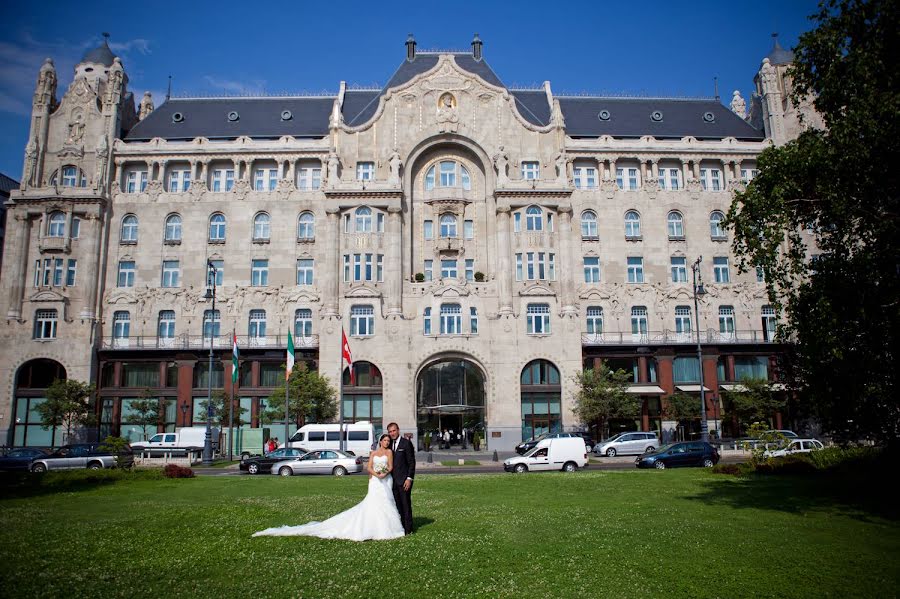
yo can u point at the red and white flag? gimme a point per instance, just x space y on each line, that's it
346 356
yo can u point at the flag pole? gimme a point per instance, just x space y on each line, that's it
234 377
341 390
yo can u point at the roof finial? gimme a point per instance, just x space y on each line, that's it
169 90
476 47
105 37
410 47
716 87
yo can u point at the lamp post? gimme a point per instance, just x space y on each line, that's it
700 291
210 294
184 409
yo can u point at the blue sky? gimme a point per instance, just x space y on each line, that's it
641 48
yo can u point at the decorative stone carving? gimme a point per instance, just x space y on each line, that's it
501 163
146 106
241 188
334 165
561 172
76 127
395 163
102 162
447 118
31 153
738 105
45 90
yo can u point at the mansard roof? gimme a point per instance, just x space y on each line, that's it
102 54
7 184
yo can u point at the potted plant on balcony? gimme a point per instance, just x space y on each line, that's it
420 277
479 277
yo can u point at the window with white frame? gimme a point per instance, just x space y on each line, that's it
179 180
261 227
470 269
448 174
222 179
306 226
769 323
309 178
448 269
594 320
428 229
126 274
45 322
362 321
451 319
635 269
259 273
303 322
379 222
517 222
682 319
365 171
537 319
535 266
426 321
42 274
534 218
628 178
212 323
166 324
71 269
121 324
473 320
363 267
257 325
531 169
129 232
716 228
591 269
670 179
468 229
748 174
428 270
217 227
639 324
76 227
679 269
170 273
136 181
56 225
57 272
585 176
720 270
726 320
589 228
363 219
265 179
675 225
72 177
219 266
305 271
346 223
711 179
632 225
448 226
173 228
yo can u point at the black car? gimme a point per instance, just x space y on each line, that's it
692 453
263 463
21 458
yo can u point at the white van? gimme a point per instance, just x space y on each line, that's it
188 437
360 437
564 453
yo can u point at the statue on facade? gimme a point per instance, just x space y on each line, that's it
76 129
738 105
447 118
561 169
768 76
102 161
146 106
501 163
31 153
334 163
395 163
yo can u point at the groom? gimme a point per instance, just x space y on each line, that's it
404 472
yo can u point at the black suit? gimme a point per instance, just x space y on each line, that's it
404 467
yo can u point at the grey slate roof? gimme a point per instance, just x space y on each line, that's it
779 55
101 54
7 184
533 106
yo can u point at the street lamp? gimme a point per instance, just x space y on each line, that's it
700 291
184 409
210 294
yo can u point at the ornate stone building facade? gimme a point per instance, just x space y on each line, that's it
478 244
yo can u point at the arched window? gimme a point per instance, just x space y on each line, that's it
129 229
217 227
33 378
70 176
675 225
589 225
632 225
261 226
363 219
541 395
306 226
448 174
173 227
56 226
534 219
303 323
716 229
362 395
448 225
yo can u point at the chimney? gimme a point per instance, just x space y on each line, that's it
476 47
410 47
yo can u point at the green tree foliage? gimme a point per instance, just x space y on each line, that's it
147 411
840 310
221 410
602 394
764 439
755 402
681 406
116 445
69 405
311 398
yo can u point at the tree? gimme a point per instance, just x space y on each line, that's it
603 394
311 398
69 404
837 289
681 406
221 411
146 411
755 402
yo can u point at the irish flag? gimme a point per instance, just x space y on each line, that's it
234 358
290 356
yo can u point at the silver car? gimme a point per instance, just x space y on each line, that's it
325 461
627 443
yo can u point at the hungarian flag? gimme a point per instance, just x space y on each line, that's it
234 358
290 356
346 356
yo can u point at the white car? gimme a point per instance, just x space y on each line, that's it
564 453
796 446
326 461
634 443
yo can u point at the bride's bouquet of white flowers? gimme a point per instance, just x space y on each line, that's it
380 468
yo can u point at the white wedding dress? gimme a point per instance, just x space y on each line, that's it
374 518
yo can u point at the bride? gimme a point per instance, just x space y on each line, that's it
375 517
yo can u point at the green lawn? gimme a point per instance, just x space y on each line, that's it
677 533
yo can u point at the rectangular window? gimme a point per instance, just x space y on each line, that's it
426 321
473 321
517 222
70 272
726 321
45 324
126 273
682 320
379 268
357 267
428 229
595 320
591 269
627 179
346 268
451 319
769 323
379 222
720 270
448 269
170 272
303 323
760 275
219 265
748 174
710 179
468 229
259 273
57 272
257 325
585 177
538 319
531 170
670 179
639 324
470 269
309 178
304 271
121 325
429 270
137 182
211 325
166 328
635 270
368 271
679 269
365 171
179 181
223 179
265 179
362 321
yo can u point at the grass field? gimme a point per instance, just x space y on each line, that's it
677 533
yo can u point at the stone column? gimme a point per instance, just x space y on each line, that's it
563 269
90 237
696 167
654 170
504 270
332 255
18 266
685 172
393 269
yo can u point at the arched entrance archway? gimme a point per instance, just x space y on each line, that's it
541 399
450 397
32 381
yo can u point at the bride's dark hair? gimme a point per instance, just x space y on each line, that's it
381 438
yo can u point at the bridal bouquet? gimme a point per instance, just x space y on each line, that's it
381 469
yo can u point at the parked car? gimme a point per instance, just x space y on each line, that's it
21 458
526 446
559 453
82 455
359 437
263 463
628 443
694 453
785 432
328 461
796 446
586 436
188 437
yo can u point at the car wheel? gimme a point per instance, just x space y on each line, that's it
286 471
245 456
660 465
39 468
253 468
95 466
570 467
650 449
611 453
339 471
708 463
521 468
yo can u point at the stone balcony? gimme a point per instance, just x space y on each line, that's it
55 244
200 342
667 337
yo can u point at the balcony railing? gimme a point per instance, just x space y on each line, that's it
667 337
54 244
202 342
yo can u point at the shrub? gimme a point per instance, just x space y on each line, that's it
845 457
479 277
69 481
791 464
420 277
732 469
176 471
